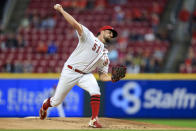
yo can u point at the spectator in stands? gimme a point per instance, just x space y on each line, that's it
133 68
52 48
139 15
130 55
36 21
8 67
122 56
186 68
100 5
145 15
76 4
41 48
158 54
25 23
194 59
145 64
123 39
119 15
154 21
190 61
90 4
18 66
28 67
21 41
184 15
67 3
136 15
11 41
122 43
48 22
81 4
193 40
149 36
155 8
152 66
128 17
113 54
30 14
137 59
3 46
134 36
182 68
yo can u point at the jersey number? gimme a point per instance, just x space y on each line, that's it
95 48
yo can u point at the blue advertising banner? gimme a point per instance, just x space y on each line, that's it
151 98
24 97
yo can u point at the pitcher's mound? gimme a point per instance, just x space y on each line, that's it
78 123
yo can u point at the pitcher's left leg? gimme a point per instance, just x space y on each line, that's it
89 83
67 80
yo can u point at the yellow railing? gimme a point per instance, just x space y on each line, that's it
159 76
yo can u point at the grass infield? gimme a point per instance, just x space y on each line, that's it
191 123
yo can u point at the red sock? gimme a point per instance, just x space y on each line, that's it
95 102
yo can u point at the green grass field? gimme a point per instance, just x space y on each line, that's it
190 123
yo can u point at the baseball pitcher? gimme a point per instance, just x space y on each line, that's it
90 53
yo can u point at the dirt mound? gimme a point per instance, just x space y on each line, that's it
78 123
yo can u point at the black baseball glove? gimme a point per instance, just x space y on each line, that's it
118 72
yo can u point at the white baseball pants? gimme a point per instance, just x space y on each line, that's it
68 79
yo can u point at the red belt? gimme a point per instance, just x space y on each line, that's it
76 70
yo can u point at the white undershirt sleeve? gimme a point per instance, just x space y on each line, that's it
104 69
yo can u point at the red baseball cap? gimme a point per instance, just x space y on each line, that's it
107 27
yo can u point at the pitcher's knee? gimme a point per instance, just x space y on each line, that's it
56 102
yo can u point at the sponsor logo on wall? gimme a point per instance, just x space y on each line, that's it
22 100
129 98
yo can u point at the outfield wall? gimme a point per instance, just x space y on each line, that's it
140 95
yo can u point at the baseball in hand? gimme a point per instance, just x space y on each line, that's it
57 6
